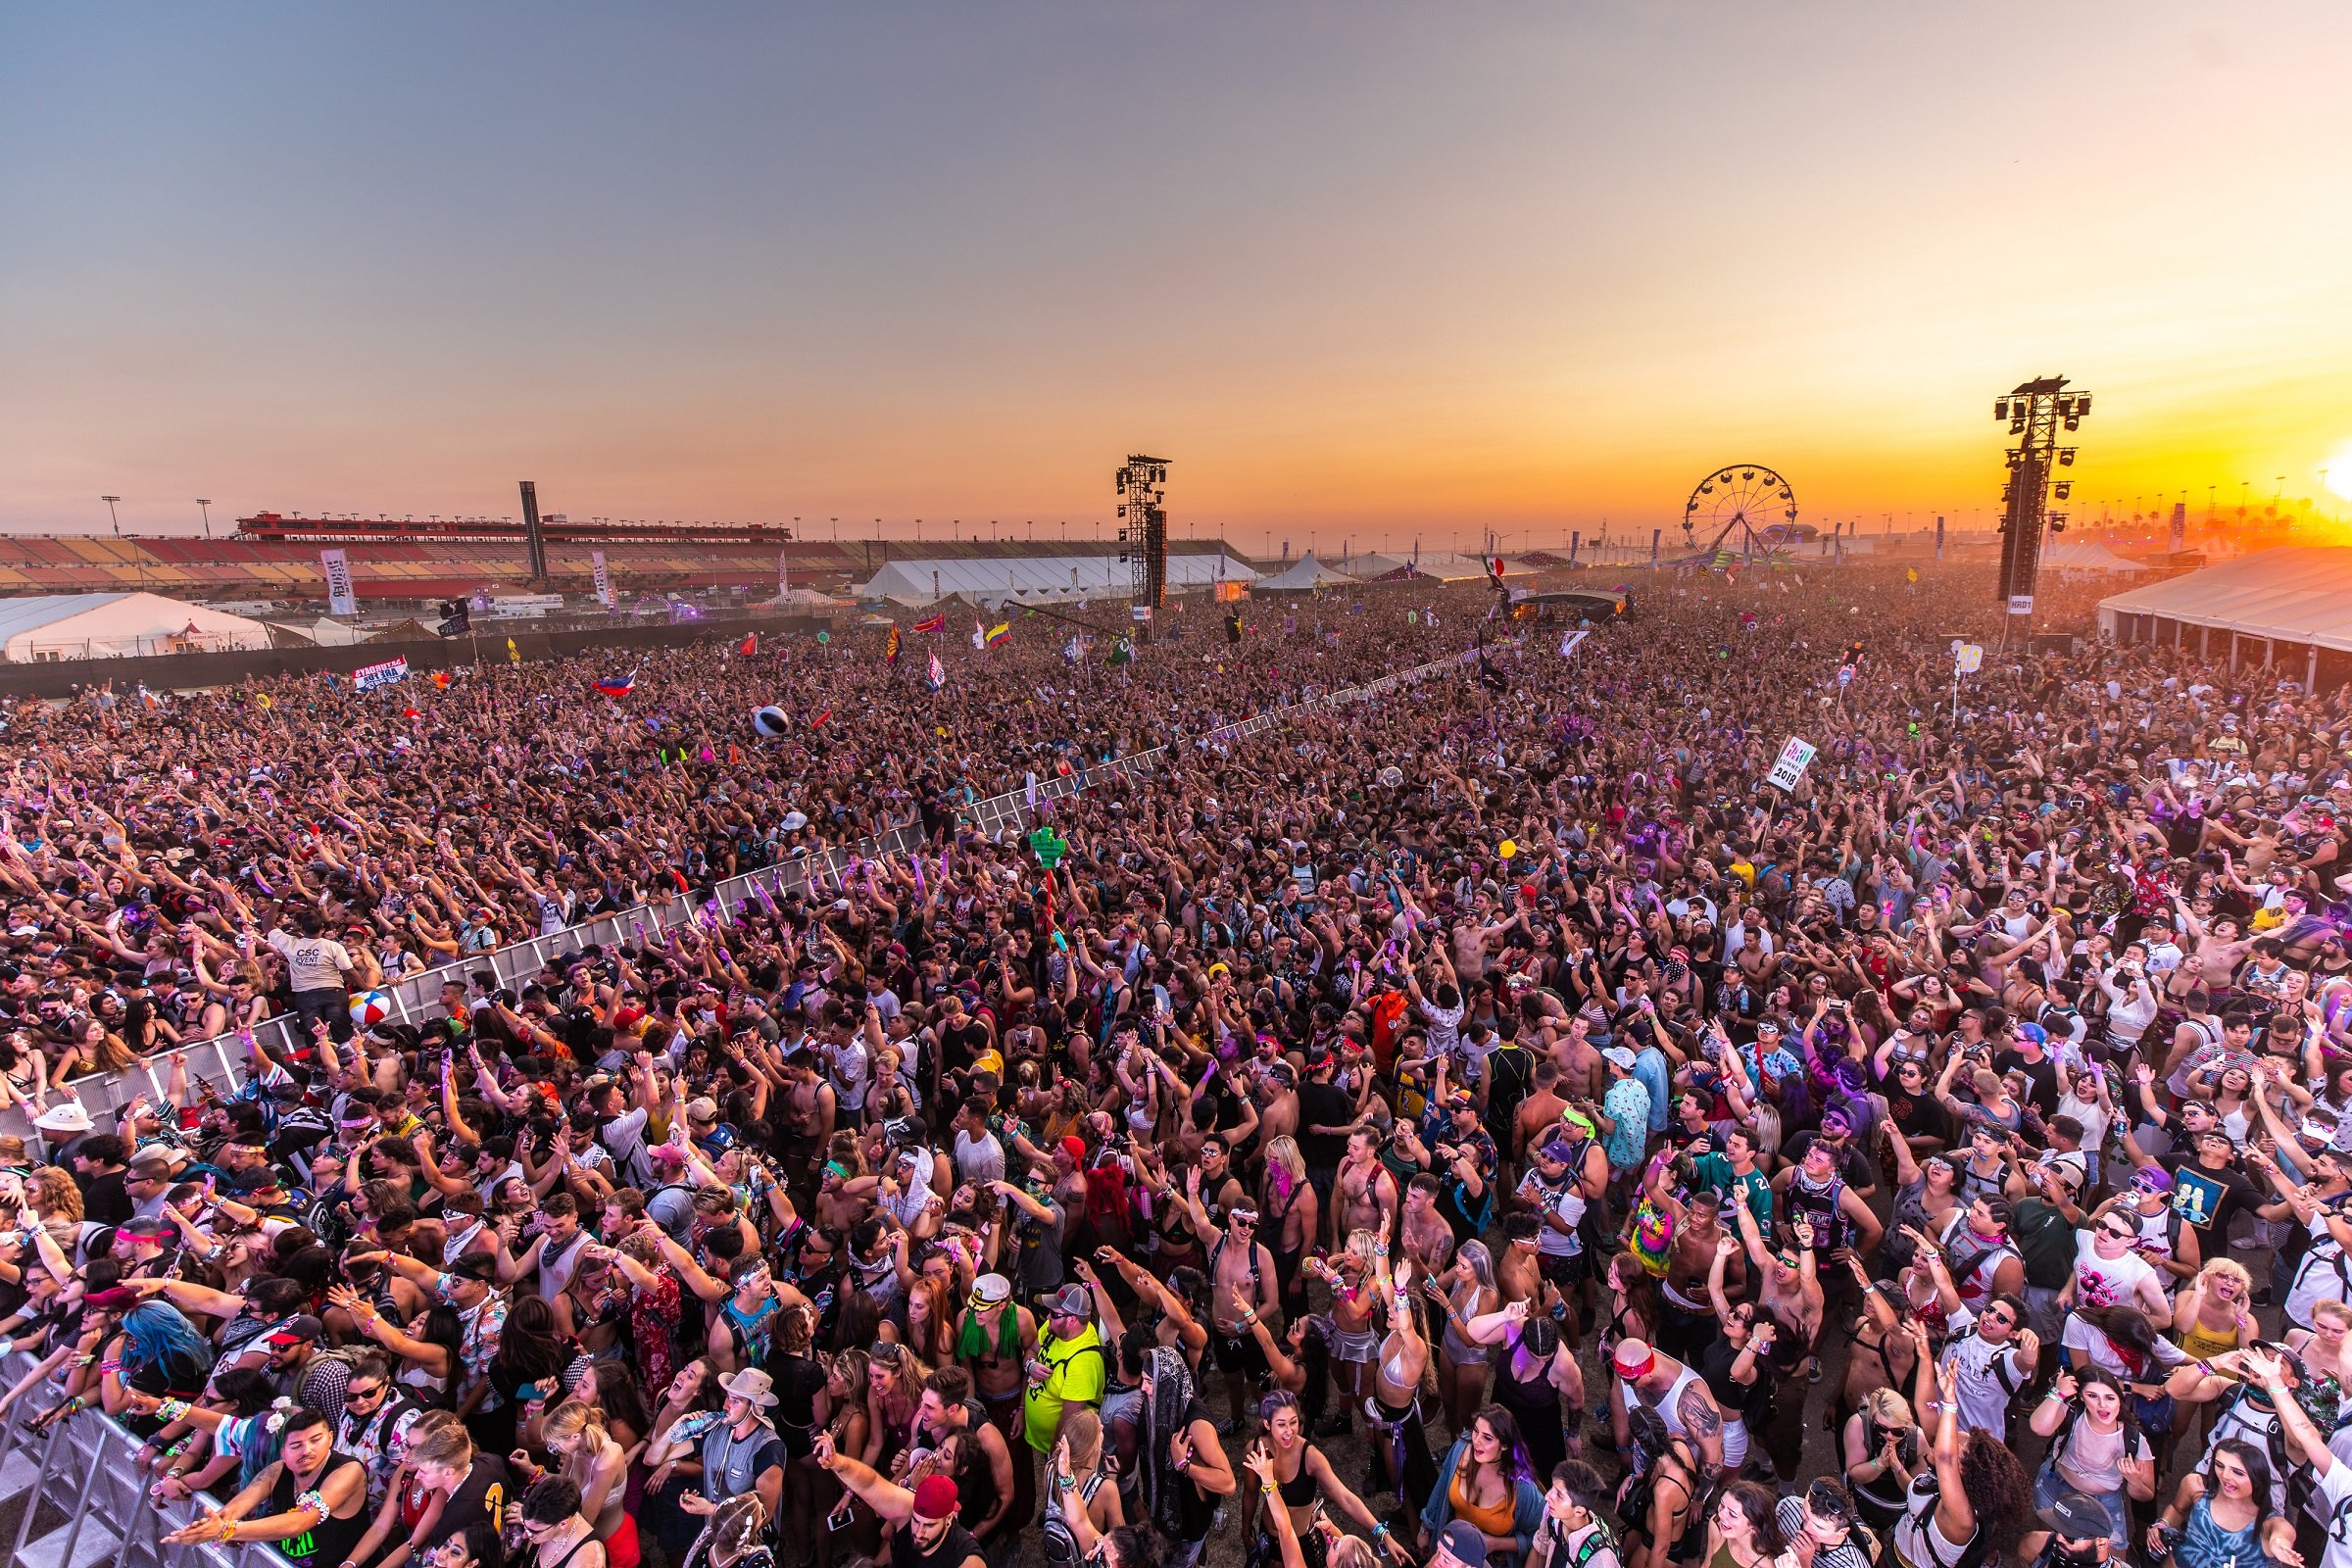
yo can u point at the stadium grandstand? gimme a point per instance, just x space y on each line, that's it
277 557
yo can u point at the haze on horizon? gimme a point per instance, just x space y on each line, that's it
1374 271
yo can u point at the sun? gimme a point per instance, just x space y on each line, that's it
2339 472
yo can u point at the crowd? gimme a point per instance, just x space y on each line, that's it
1487 1127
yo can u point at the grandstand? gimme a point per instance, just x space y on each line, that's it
397 561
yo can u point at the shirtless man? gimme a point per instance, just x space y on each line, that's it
1790 1286
1691 1322
1425 1237
806 1115
1275 1092
1582 1075
1007 1341
1365 1193
1239 1269
1538 1111
2215 957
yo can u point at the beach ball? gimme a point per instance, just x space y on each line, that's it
369 1008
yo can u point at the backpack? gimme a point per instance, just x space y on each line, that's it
1062 1547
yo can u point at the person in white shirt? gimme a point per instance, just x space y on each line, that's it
1990 1357
2109 1272
318 974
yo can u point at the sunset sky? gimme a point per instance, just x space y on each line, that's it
1371 271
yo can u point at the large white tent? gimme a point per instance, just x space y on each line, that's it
2283 606
1037 579
2087 556
67 626
1307 575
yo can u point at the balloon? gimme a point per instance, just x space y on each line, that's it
1507 848
771 721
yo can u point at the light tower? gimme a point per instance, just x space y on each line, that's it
2036 412
1144 540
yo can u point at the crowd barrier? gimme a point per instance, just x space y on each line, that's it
80 1470
222 1061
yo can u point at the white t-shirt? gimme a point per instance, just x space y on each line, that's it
313 964
2108 1280
2332 1506
2318 1277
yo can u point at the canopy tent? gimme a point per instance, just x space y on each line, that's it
2296 594
1039 580
1305 577
2087 556
62 626
805 602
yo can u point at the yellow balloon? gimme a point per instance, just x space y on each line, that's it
1510 847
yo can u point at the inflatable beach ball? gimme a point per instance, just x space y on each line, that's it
369 1008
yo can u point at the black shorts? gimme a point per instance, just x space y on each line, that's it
1565 1273
1238 1352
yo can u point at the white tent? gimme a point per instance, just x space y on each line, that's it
2296 594
1306 576
1037 579
62 626
2087 556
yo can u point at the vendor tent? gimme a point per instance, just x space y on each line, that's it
2087 556
49 627
2290 607
1039 580
1305 577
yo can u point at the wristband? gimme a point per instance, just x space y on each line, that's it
1266 1487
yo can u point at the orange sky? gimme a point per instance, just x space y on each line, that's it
1362 272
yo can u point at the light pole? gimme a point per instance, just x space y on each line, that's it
110 512
207 507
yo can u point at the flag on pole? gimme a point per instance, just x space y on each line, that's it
1121 651
999 632
930 623
939 673
513 654
749 646
979 635
890 649
618 688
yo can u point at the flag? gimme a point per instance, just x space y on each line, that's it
979 635
930 623
618 688
1121 651
749 646
890 649
513 654
999 632
1568 643
1911 572
1070 650
939 674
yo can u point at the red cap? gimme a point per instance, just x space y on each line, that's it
935 1499
1074 1146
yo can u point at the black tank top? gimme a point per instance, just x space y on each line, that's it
955 1549
330 1541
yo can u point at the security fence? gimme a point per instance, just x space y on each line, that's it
86 1502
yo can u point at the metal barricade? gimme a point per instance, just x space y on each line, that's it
77 1480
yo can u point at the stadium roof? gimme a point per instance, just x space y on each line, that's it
922 580
2296 594
47 626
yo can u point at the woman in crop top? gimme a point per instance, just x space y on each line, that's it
1301 1475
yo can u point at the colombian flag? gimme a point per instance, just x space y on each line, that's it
999 632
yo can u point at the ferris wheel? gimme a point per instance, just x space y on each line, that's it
1746 500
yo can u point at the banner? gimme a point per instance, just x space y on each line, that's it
783 574
368 677
1569 642
1795 758
1967 658
2021 604
340 599
603 580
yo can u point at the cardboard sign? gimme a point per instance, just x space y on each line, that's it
1968 658
368 677
1795 758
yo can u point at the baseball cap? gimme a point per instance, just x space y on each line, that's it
300 1329
1618 1057
2150 1179
935 1499
1465 1542
2077 1516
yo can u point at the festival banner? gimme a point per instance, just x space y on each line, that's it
341 598
368 677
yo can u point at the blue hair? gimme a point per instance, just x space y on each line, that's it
154 1331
